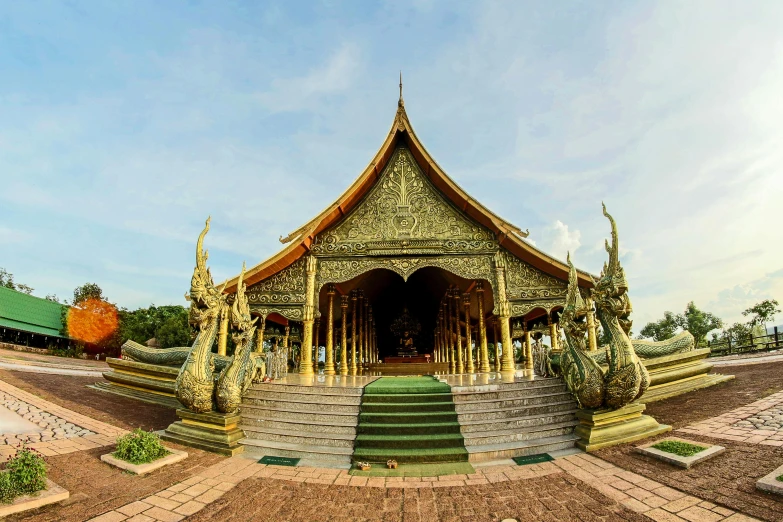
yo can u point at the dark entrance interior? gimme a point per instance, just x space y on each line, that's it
389 295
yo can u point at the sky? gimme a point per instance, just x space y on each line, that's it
123 125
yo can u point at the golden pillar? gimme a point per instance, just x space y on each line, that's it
260 335
457 331
495 338
553 334
360 336
528 348
344 335
504 309
450 321
285 337
223 332
370 351
316 343
592 336
306 364
354 321
482 328
329 355
366 331
468 340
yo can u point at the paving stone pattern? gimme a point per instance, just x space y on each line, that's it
52 426
629 490
757 423
89 433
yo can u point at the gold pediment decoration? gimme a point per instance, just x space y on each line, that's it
404 214
284 287
523 281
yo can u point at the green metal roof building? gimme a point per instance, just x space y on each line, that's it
22 313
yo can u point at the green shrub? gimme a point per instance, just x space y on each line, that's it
683 449
25 474
140 447
780 478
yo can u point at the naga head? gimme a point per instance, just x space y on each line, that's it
572 318
206 300
240 310
610 292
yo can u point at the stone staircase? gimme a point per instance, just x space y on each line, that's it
506 420
314 423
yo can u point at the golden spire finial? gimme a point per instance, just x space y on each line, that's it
401 102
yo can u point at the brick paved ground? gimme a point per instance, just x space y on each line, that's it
730 425
71 392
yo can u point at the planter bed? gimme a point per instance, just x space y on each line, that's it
770 483
141 469
53 493
683 461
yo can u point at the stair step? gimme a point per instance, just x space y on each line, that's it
407 455
406 397
298 405
525 434
289 413
389 441
308 390
510 394
517 411
313 437
307 398
516 423
506 450
371 428
284 449
299 425
496 404
408 418
400 407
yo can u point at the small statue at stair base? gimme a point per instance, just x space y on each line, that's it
541 363
626 378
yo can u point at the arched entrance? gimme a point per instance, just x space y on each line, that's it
388 296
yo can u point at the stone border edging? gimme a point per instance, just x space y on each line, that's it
141 469
53 493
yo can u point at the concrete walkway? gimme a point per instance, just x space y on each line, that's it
35 363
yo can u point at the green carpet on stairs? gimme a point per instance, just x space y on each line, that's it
411 420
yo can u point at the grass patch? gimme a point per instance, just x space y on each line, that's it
24 474
140 447
683 449
780 478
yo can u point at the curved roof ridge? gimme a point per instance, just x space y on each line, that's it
509 235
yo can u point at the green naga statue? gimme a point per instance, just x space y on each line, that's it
239 373
195 382
626 378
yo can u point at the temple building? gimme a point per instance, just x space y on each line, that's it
405 243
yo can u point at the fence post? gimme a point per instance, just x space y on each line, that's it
729 338
776 337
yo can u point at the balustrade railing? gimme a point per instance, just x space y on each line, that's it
751 343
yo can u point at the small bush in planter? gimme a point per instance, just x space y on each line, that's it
140 447
24 474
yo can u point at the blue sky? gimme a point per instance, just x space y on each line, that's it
124 124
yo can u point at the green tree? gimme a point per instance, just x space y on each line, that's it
698 322
175 331
762 312
737 333
7 281
87 291
663 329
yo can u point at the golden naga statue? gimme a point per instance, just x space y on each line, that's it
239 373
195 382
626 379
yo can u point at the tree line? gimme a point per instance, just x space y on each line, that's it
700 323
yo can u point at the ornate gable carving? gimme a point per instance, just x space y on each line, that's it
284 287
525 282
404 214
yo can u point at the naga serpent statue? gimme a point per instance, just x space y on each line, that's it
195 382
626 378
238 375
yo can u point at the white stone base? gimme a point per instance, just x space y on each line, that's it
677 460
141 469
53 493
770 483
